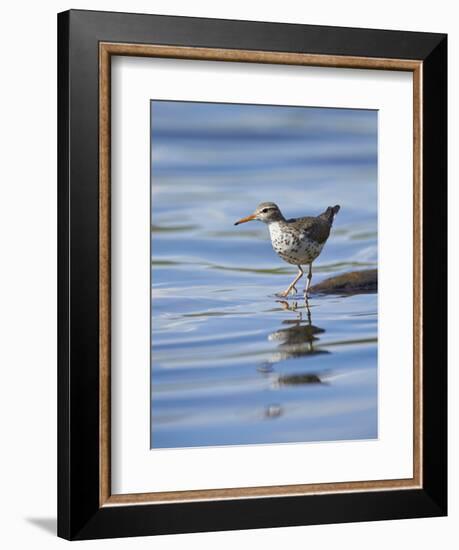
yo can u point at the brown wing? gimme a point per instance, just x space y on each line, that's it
314 228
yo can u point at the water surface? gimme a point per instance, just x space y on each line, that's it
231 363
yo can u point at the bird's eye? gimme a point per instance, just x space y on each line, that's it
265 210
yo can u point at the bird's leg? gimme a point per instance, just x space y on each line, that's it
308 310
292 285
308 284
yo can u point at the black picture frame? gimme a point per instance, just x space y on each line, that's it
80 515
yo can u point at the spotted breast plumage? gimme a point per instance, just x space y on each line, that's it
298 241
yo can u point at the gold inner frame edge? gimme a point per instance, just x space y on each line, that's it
106 51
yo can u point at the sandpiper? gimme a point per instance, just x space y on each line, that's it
297 241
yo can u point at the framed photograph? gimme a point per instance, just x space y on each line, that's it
252 274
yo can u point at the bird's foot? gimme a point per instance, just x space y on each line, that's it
282 294
285 293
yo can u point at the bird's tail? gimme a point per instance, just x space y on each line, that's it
330 213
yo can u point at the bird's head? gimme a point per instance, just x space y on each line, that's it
266 212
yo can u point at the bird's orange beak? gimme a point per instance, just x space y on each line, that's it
247 219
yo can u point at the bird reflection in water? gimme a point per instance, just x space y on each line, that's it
298 339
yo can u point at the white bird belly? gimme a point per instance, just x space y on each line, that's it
293 249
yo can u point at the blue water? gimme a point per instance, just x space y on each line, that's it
231 363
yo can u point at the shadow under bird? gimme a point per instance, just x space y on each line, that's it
298 241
